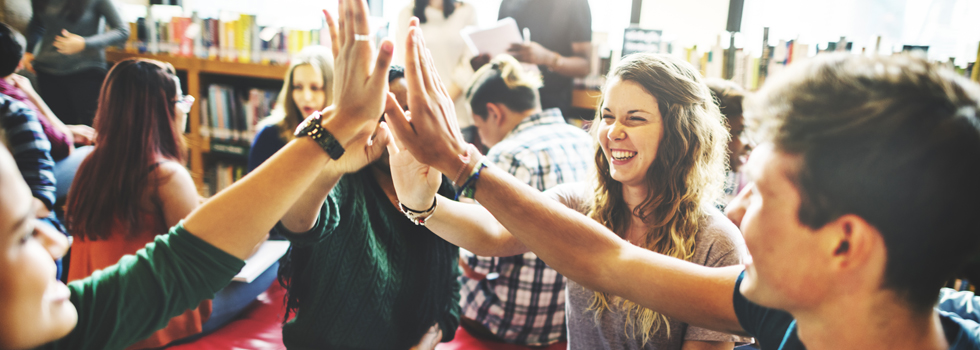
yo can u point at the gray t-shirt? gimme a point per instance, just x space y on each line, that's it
47 25
720 244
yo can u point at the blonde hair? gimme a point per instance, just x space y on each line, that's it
503 80
286 115
684 180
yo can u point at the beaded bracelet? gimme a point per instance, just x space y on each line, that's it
468 189
419 217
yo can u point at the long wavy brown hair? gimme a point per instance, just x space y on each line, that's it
136 120
684 180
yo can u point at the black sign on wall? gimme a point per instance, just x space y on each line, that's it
641 40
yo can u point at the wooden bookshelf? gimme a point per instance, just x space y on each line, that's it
199 146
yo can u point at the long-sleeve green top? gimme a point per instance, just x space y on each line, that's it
367 277
127 302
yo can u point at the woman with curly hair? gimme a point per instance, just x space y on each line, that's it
660 166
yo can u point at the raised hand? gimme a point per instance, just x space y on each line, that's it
360 78
431 133
416 184
334 36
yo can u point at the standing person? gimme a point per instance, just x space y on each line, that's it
524 301
70 64
659 159
306 88
442 21
62 137
863 206
560 44
139 294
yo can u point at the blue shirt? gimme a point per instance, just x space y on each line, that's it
776 329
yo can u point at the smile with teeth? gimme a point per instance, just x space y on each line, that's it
623 155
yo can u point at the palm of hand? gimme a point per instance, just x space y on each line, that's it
359 155
415 183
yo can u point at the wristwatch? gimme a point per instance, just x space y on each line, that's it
311 127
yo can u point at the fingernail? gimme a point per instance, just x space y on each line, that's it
387 47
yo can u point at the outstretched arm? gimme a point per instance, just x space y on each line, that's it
574 245
239 217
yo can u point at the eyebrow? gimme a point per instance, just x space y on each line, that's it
628 112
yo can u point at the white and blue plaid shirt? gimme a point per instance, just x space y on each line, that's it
525 303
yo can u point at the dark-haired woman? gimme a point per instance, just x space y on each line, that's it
441 22
133 185
70 64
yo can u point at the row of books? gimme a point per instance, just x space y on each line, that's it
232 114
240 40
221 175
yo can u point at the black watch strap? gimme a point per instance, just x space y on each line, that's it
312 127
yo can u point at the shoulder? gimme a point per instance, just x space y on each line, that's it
172 175
720 243
268 135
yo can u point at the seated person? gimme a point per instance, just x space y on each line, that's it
540 149
660 162
307 88
62 137
128 301
359 273
729 97
863 206
115 210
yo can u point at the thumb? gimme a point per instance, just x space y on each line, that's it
381 140
381 67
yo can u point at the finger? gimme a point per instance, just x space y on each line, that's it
413 70
391 145
423 66
334 40
398 122
382 137
437 79
393 110
360 15
383 64
342 23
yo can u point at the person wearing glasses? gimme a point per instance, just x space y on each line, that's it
115 210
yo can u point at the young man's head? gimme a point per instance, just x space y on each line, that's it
866 182
12 45
500 95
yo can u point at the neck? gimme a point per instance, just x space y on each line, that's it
634 195
437 4
9 79
515 118
870 321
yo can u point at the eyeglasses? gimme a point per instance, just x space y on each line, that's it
184 103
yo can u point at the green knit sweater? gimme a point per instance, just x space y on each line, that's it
366 277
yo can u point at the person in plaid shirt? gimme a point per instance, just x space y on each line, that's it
519 299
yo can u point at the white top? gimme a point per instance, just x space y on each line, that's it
449 51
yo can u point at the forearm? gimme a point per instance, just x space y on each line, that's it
573 66
707 345
236 219
303 214
473 228
588 253
118 34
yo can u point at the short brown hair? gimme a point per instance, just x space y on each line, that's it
894 140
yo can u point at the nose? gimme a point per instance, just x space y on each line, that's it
616 132
52 240
308 94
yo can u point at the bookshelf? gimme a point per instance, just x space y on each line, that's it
199 74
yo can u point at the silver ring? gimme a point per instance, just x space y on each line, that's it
362 37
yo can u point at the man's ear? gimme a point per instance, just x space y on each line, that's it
853 241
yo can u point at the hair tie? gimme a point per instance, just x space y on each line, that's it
495 66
